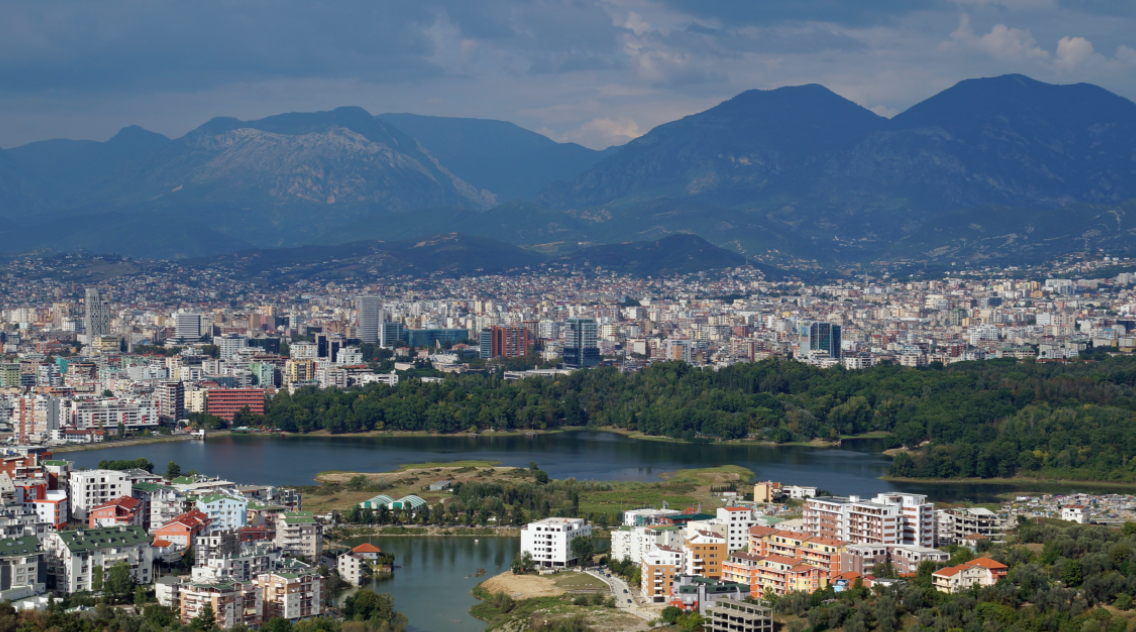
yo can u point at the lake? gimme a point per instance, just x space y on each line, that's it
853 468
433 586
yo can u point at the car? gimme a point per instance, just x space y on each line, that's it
628 601
624 590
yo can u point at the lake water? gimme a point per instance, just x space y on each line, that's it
433 586
853 468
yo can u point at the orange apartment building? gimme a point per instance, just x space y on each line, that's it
706 551
180 530
821 552
658 570
778 573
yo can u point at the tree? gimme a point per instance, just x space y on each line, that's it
377 608
119 580
670 614
97 578
139 598
121 430
108 393
205 620
173 470
523 564
583 549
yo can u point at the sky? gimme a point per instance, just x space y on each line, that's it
594 72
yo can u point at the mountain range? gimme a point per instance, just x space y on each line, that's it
796 171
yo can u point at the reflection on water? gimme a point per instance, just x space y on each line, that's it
853 468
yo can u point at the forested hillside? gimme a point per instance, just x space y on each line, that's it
989 419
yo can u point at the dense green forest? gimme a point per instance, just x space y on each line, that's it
997 418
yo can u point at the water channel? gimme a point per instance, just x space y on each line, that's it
433 586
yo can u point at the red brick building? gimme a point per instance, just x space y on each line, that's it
225 402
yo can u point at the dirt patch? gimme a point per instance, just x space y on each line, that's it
522 586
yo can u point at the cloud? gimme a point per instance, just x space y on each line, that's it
601 132
1072 52
1002 42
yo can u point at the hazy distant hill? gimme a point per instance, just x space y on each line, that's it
498 156
827 168
675 254
74 169
448 253
139 235
798 170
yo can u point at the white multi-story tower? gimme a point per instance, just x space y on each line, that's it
97 318
370 318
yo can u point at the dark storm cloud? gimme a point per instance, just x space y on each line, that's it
100 45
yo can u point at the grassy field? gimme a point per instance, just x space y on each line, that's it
579 581
679 489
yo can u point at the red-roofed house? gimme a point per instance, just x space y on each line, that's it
368 551
122 511
180 530
982 571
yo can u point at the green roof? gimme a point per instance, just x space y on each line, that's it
109 537
211 498
298 517
147 487
12 547
184 480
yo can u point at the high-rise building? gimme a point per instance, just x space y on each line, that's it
825 337
187 327
580 347
96 322
391 335
504 342
230 344
370 318
171 401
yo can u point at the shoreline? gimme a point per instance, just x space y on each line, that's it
630 434
126 443
1014 482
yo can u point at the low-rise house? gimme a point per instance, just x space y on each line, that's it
298 533
355 564
982 571
73 556
1075 513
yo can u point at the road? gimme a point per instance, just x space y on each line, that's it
636 607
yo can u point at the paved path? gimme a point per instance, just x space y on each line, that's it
636 607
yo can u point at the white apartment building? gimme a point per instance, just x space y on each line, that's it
73 556
633 543
736 522
886 519
93 414
91 488
550 540
1075 513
